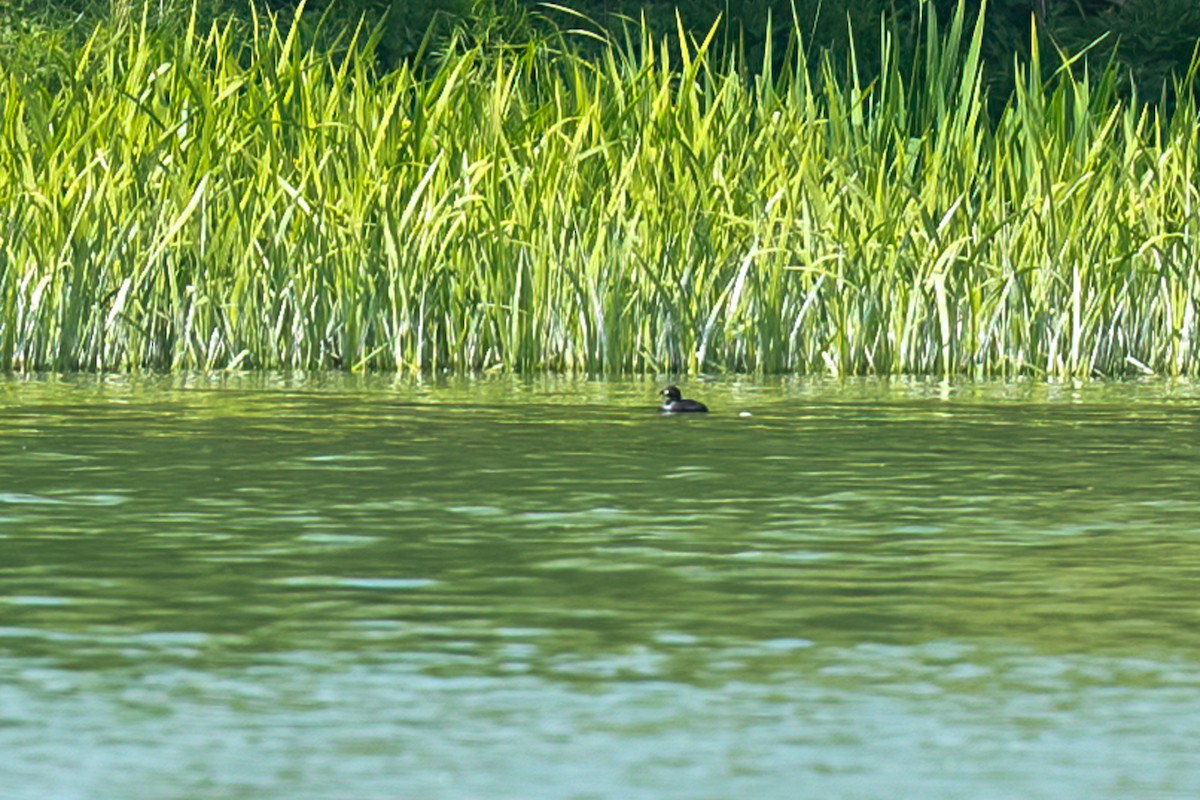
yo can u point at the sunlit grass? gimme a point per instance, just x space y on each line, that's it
210 200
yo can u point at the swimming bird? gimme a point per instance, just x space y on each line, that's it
674 402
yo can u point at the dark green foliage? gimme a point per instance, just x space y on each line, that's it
1152 39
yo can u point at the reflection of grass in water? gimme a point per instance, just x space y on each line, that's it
1059 528
201 199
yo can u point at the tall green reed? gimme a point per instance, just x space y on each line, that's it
233 199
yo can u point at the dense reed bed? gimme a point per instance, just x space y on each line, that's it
222 199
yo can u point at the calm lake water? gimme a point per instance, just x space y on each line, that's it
375 589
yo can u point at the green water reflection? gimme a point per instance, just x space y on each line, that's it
545 589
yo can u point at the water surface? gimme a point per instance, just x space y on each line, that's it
331 587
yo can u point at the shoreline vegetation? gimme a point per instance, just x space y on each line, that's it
206 199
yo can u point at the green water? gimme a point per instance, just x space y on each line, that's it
341 588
